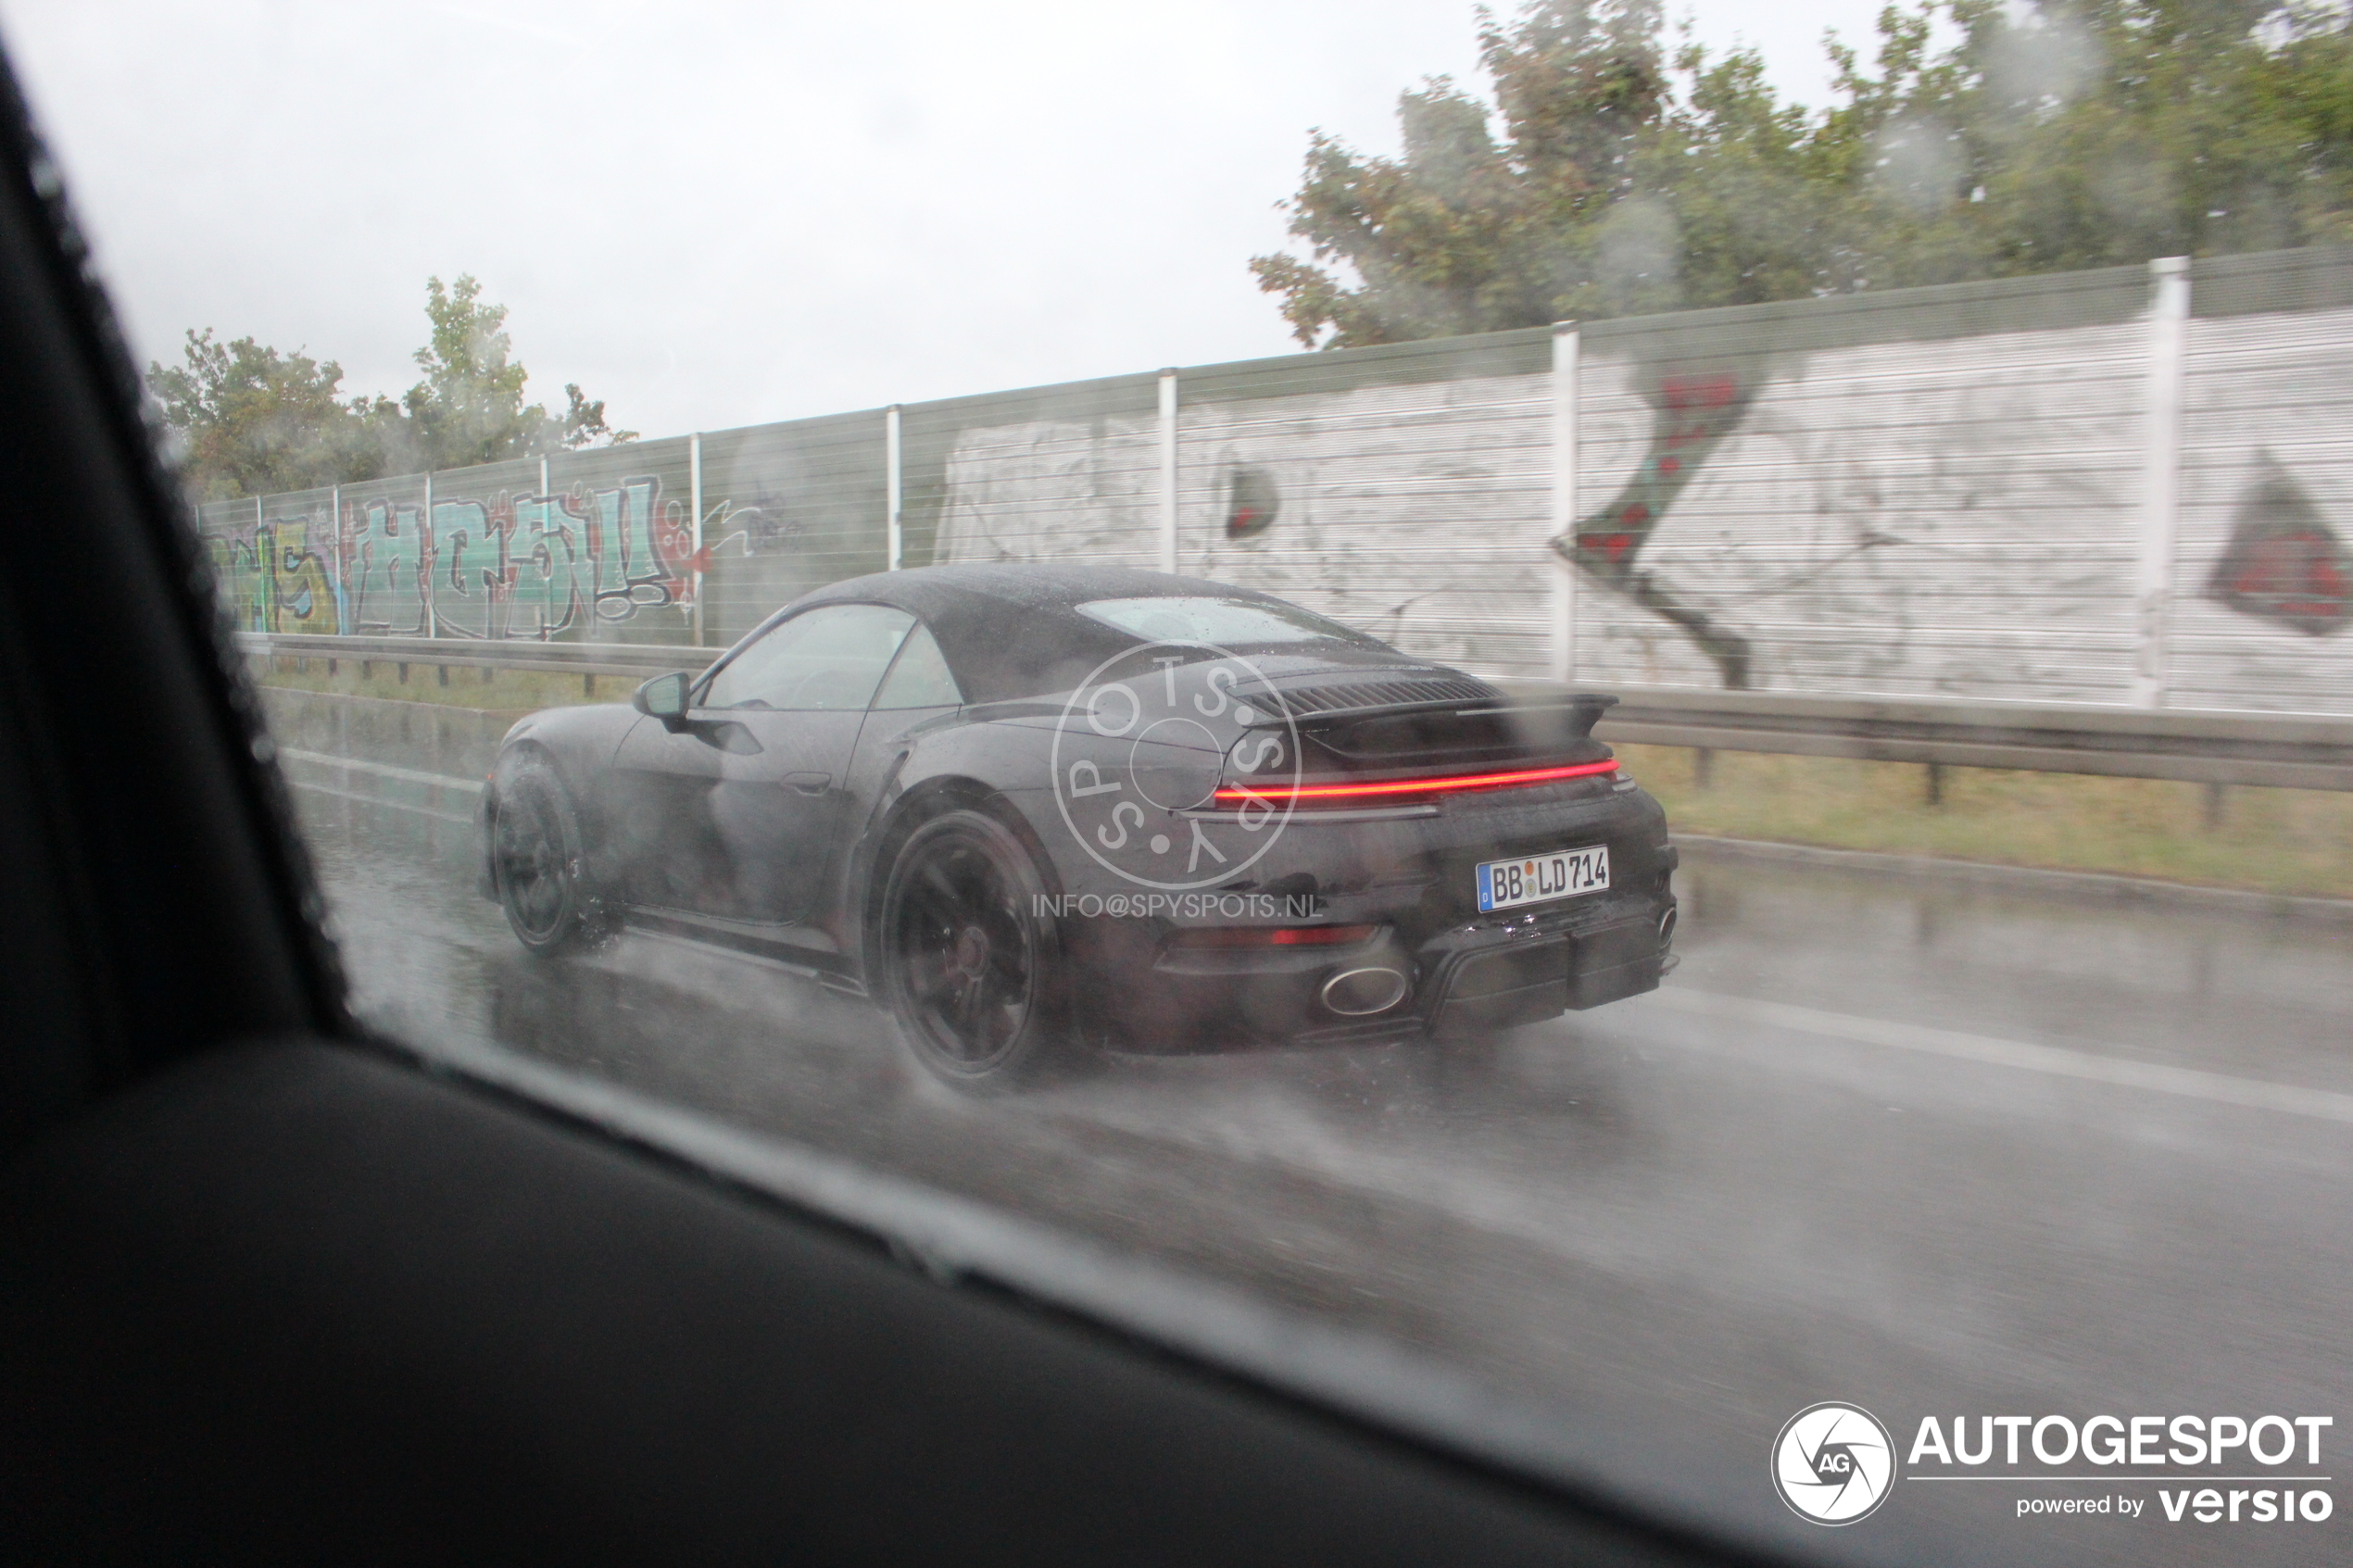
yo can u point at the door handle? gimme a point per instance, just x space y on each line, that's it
810 783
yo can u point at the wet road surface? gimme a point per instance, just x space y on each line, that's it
1931 1148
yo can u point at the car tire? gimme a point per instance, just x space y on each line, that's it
537 864
972 967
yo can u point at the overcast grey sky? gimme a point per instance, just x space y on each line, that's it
715 214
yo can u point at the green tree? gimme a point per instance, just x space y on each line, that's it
250 421
1467 233
1629 179
468 409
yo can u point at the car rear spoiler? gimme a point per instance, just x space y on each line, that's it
1584 709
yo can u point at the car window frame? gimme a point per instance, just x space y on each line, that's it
899 656
698 694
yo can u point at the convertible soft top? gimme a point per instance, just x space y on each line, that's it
1007 628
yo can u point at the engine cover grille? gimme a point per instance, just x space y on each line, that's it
1329 695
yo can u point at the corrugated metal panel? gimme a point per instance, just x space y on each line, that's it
301 562
1415 510
1049 473
1950 515
623 513
486 551
1528 351
214 517
2106 295
789 508
276 567
2262 615
382 558
1922 492
2318 278
1925 491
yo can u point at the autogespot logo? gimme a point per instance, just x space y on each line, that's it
1141 751
1833 1464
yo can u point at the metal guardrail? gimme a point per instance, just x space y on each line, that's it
641 659
2287 751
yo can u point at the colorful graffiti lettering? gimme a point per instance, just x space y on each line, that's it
545 564
2284 562
537 566
1691 417
381 548
529 567
468 565
274 579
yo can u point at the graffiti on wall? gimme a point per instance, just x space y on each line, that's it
276 579
1690 416
1828 526
1252 501
504 566
2283 562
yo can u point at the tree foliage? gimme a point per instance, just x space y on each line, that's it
468 409
1613 174
251 420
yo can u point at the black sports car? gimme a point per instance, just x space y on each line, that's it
1038 810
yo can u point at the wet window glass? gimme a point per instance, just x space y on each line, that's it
919 677
825 659
1747 868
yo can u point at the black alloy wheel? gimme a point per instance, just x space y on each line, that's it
535 862
971 965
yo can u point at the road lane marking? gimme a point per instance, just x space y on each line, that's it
379 800
384 771
2257 1094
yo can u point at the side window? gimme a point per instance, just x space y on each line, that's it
921 678
830 657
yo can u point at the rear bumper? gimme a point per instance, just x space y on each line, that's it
1467 979
1526 979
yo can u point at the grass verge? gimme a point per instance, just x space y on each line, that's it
496 690
2288 841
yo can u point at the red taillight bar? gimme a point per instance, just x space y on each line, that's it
1280 794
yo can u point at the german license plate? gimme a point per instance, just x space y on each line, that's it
1539 879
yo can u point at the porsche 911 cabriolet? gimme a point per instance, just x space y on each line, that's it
1041 810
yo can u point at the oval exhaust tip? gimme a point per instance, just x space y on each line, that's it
1355 993
1667 926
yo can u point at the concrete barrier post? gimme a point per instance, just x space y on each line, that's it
2160 474
894 499
693 507
1563 510
1168 471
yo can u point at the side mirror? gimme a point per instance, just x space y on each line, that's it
664 697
